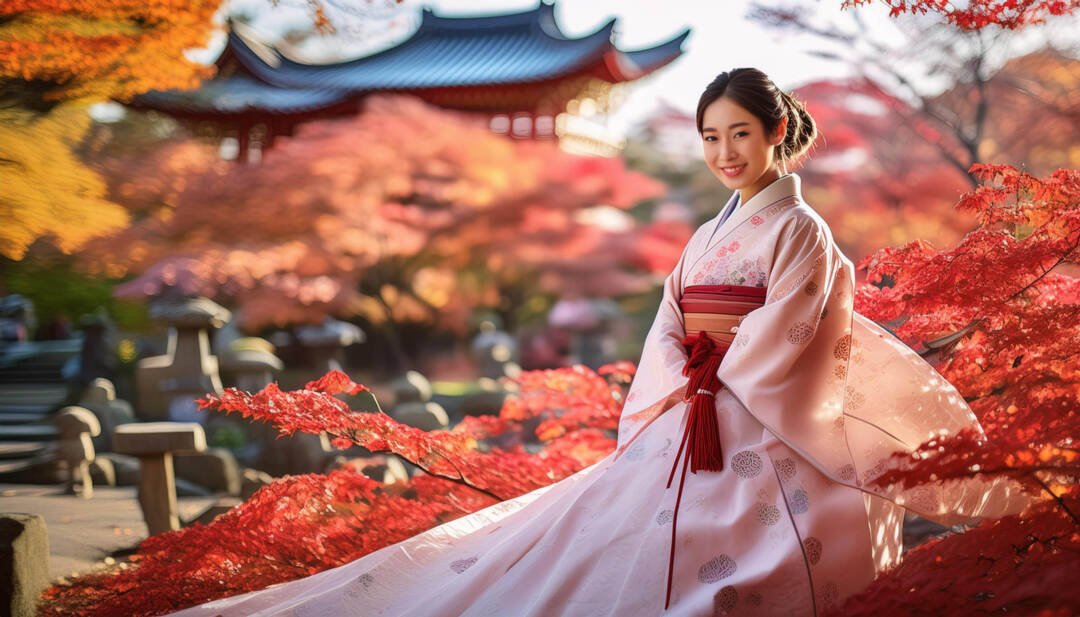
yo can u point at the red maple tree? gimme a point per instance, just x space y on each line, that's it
999 314
978 14
887 171
559 422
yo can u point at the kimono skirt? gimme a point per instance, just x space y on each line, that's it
767 534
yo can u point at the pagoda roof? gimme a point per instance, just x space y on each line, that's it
239 95
460 51
443 52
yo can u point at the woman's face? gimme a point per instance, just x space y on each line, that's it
736 148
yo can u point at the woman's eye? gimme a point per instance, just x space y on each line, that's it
741 133
709 137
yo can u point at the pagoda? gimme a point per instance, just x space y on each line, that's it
517 69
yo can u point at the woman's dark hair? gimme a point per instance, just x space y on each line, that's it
755 92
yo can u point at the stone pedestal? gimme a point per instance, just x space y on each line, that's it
412 387
487 400
493 350
413 406
154 443
248 364
24 563
387 469
75 448
216 469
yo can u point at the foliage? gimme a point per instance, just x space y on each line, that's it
403 213
1000 310
877 182
572 404
83 50
881 182
978 14
340 517
48 191
60 292
1013 566
56 58
345 515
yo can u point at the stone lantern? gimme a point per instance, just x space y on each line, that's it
251 363
324 343
167 385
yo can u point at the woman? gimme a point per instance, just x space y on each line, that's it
782 403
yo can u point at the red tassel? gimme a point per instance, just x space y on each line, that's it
701 439
704 384
705 454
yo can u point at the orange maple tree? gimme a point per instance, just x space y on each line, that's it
66 50
57 57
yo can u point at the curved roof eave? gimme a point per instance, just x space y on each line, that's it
290 73
652 58
239 95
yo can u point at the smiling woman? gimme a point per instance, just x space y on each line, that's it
757 377
748 138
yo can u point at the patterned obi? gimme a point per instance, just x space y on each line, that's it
711 317
717 310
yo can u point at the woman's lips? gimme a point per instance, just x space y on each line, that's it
733 171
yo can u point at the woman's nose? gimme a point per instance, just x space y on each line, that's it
724 151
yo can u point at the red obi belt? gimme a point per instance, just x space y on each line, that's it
711 317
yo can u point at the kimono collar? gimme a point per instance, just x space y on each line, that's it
784 187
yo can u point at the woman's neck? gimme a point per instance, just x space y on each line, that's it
767 178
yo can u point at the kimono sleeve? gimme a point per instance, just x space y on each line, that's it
659 382
782 363
843 392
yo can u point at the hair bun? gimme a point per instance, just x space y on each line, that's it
801 128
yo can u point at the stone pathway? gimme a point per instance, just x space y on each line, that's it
84 532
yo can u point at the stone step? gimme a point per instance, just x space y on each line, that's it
15 466
22 418
28 412
41 360
29 432
31 399
42 377
32 393
21 449
40 469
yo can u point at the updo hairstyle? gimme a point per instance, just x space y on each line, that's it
755 92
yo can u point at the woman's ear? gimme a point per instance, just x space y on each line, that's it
781 132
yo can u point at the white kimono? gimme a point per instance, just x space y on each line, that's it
815 398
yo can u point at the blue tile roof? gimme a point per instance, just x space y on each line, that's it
446 52
443 52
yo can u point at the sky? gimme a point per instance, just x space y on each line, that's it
722 37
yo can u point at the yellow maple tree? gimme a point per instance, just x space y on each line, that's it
69 204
